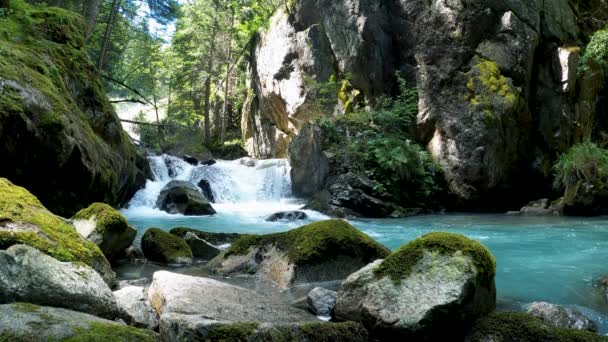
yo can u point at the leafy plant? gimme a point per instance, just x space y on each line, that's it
596 52
582 162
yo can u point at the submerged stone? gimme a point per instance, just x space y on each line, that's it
561 317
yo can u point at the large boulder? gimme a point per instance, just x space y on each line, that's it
29 322
216 239
309 165
214 300
520 326
439 283
59 134
184 328
134 307
179 197
320 251
321 301
24 220
28 275
561 317
160 246
201 249
105 227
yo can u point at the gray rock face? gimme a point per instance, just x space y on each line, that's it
561 317
201 249
179 197
135 308
322 301
287 216
29 322
492 115
28 275
214 300
309 165
426 300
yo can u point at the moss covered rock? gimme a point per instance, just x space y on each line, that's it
216 239
24 220
28 322
439 282
105 227
320 251
160 246
519 326
59 134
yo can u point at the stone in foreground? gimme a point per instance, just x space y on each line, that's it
105 227
321 301
201 249
561 317
215 300
520 326
28 275
179 197
320 251
160 246
24 220
135 308
184 328
438 283
29 322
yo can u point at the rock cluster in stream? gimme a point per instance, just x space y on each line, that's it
440 285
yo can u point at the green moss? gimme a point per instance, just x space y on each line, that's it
400 264
490 91
161 246
596 53
315 242
107 217
55 237
235 332
105 332
519 326
349 96
212 238
14 337
329 332
26 307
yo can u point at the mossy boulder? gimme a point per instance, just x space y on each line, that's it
160 246
520 326
105 227
29 322
439 282
216 239
59 134
24 220
320 251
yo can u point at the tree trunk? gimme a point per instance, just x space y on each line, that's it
5 3
90 11
208 84
226 86
107 33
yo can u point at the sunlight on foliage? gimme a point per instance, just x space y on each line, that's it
583 162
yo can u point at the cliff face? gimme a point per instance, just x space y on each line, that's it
500 90
59 135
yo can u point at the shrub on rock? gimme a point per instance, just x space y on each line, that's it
160 246
435 284
105 227
320 251
24 220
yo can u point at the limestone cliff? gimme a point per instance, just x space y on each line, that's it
500 90
59 135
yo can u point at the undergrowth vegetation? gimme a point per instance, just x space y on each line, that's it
585 162
379 143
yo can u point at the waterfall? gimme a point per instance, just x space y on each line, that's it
240 185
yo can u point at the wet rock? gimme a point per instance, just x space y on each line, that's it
249 162
28 275
105 227
29 322
309 165
437 283
134 307
287 216
141 282
215 239
322 301
179 197
214 300
209 162
134 254
542 207
320 251
160 246
190 160
206 190
561 317
201 249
